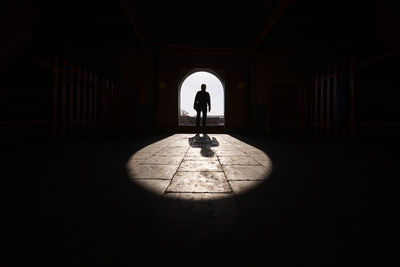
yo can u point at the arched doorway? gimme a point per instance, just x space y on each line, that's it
188 88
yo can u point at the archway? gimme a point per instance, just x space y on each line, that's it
190 84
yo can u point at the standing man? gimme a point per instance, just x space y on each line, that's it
201 101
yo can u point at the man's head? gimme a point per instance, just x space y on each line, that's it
203 87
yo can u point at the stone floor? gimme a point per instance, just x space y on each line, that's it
237 200
219 165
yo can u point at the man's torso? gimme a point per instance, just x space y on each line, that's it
202 99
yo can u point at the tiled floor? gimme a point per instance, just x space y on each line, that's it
200 164
241 200
198 180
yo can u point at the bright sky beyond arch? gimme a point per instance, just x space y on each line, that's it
193 83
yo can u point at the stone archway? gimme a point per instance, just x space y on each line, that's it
188 87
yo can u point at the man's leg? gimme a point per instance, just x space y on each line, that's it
204 117
198 119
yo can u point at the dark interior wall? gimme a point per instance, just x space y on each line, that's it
275 76
173 66
304 41
260 77
237 96
258 84
377 83
135 67
254 95
18 97
387 23
16 19
377 94
167 81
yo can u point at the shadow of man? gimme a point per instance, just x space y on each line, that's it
205 143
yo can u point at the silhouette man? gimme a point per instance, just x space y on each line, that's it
201 101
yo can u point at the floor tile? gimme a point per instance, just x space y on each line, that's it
199 182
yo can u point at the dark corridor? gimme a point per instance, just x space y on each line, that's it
96 170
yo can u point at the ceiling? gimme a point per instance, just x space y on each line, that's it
201 23
290 24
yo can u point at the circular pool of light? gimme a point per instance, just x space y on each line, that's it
208 167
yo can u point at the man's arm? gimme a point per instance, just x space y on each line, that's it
195 101
209 102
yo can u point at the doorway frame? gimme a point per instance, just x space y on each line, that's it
186 75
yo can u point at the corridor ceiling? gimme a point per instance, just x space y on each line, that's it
211 24
202 23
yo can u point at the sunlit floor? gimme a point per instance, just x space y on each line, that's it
221 200
183 165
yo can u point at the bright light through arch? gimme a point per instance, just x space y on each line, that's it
188 90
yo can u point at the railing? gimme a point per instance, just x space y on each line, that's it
211 120
332 103
83 102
